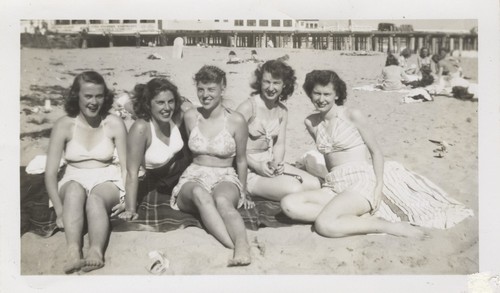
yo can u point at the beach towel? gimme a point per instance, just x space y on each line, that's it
155 213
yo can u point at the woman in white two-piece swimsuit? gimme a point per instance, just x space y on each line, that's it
211 186
355 186
92 186
155 141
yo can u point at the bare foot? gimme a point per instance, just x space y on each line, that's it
74 260
93 261
405 229
241 256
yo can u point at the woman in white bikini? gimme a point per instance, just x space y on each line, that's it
155 141
356 187
269 177
211 186
92 186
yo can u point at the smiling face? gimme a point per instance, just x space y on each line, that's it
162 106
90 99
209 94
323 97
271 87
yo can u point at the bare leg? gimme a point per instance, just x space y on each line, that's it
306 206
275 188
340 218
195 199
101 199
310 182
73 196
226 197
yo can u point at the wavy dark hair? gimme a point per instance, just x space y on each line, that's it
71 102
406 53
211 73
145 93
277 69
323 78
391 60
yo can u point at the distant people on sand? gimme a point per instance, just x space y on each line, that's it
156 142
211 186
269 176
424 61
233 59
356 186
92 186
410 69
254 57
393 75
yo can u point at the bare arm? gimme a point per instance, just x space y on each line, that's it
241 137
137 141
279 147
376 154
57 142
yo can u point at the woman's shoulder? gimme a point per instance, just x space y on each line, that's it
235 117
64 123
139 125
112 120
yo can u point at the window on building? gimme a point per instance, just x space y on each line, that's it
225 20
238 22
275 22
287 22
130 21
63 21
263 22
216 20
147 21
78 21
95 21
114 21
251 22
315 25
301 23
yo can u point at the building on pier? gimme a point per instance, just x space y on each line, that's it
278 32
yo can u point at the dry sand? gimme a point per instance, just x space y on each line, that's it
403 131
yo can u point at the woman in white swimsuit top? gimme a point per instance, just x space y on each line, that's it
154 140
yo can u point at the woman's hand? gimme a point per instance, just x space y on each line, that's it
117 209
247 202
377 198
265 168
59 222
279 168
128 215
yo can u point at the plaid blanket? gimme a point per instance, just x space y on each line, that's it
155 213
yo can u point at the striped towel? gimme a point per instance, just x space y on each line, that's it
414 198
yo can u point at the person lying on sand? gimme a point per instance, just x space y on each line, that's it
92 187
211 186
156 141
266 115
354 188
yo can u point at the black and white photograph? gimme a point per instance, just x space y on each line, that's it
264 142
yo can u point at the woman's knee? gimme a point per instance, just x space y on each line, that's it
73 188
311 183
290 204
202 197
328 227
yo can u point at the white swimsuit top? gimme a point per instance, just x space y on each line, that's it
158 153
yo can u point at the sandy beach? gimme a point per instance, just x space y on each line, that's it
403 131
